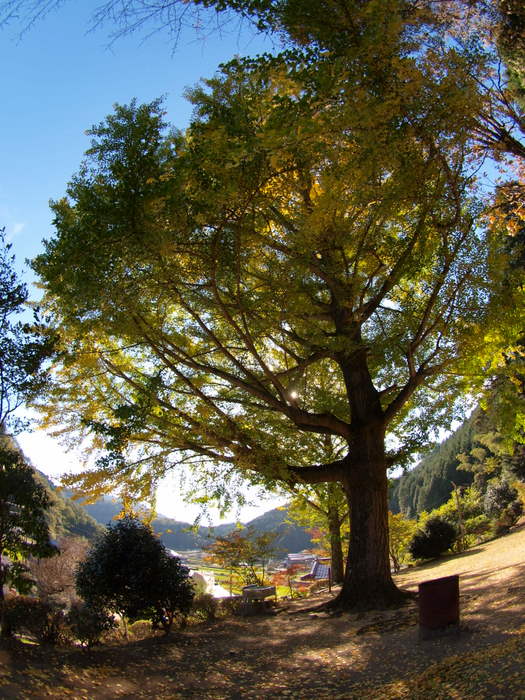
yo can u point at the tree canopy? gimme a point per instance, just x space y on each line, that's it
306 260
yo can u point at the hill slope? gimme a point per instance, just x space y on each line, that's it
68 518
429 484
65 517
375 655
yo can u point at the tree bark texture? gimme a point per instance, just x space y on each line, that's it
336 548
368 581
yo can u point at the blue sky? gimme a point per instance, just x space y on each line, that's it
59 79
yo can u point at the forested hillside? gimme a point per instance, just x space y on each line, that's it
430 483
67 517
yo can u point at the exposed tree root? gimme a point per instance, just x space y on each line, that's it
394 598
343 603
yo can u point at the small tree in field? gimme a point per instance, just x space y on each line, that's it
401 531
129 571
324 509
244 553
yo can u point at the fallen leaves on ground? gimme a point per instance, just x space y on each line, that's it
297 655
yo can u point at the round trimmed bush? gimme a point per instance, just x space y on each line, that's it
436 536
129 571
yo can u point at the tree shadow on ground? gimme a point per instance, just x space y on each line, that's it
351 655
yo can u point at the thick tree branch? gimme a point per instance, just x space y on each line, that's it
318 473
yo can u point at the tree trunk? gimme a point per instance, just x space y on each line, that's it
3 572
336 548
5 630
368 582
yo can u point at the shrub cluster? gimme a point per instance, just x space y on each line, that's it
88 624
130 572
503 505
49 623
40 619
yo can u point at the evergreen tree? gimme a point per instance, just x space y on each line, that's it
24 530
23 347
130 572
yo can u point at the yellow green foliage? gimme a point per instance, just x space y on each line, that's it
306 259
401 531
464 510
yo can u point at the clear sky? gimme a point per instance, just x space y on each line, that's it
57 80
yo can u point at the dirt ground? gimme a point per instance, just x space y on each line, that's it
297 654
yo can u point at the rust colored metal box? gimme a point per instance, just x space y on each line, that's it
439 606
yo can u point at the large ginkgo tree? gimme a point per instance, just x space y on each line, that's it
305 260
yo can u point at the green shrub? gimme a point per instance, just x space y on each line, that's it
503 505
436 537
476 530
43 620
400 533
88 624
129 571
464 511
205 606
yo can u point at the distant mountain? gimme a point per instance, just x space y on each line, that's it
69 517
65 517
103 511
291 538
179 535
